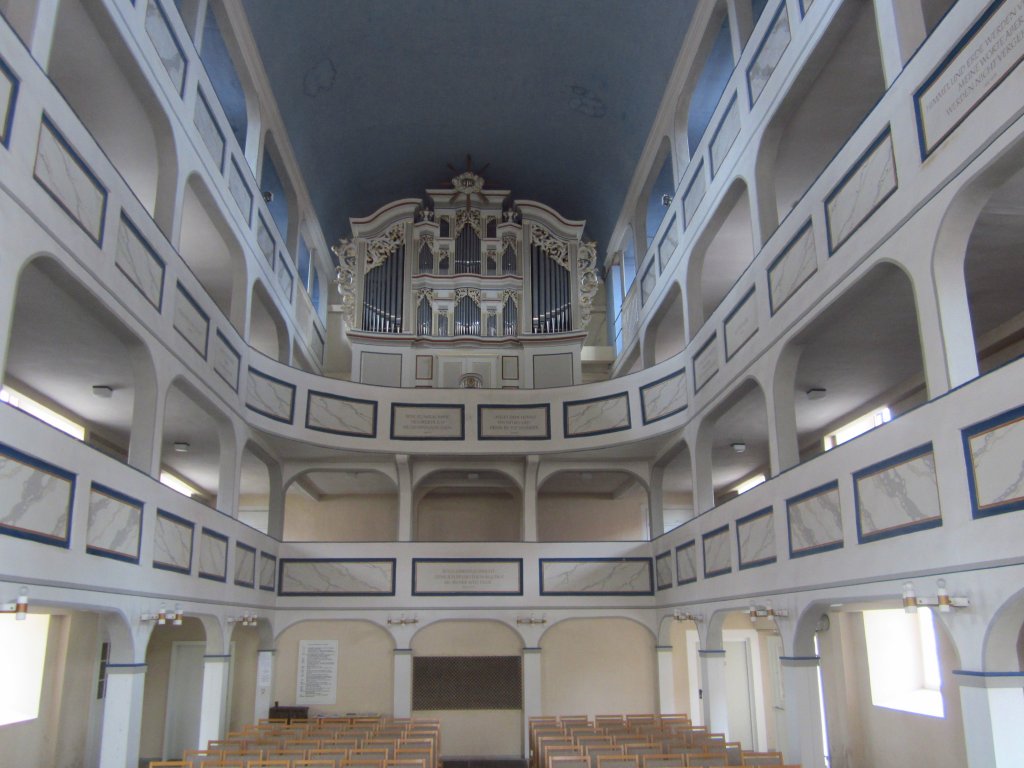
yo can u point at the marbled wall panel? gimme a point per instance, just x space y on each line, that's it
717 552
268 572
792 268
317 343
899 495
264 239
815 523
648 282
596 416
668 243
663 398
597 576
741 324
172 543
755 536
663 570
166 44
694 194
213 555
139 263
209 131
270 397
686 563
8 99
341 415
705 363
726 133
239 189
994 451
226 361
869 184
337 577
114 526
35 498
245 565
284 276
768 55
191 321
69 181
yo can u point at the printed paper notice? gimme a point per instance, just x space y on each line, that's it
317 678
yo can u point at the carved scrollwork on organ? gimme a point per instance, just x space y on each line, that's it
470 267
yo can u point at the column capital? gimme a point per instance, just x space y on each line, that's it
800 661
711 653
979 679
127 669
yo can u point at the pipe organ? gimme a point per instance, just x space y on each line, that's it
469 279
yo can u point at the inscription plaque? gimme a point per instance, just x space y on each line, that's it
427 422
504 422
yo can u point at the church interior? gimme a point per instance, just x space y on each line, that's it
578 384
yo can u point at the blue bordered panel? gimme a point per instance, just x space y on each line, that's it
205 318
886 135
384 564
282 266
268 572
751 98
542 434
697 384
716 166
648 418
566 406
645 280
12 101
161 266
1009 496
910 526
747 520
514 566
459 411
685 550
739 305
663 571
824 546
722 532
801 233
370 431
58 536
320 347
109 548
805 6
269 414
926 146
231 381
643 568
188 529
247 579
221 540
688 209
205 105
246 207
97 237
174 39
263 232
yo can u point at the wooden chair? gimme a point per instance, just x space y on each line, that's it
761 758
618 761
328 753
171 764
663 761
366 753
360 762
271 763
645 748
555 751
569 761
589 739
200 758
407 762
311 763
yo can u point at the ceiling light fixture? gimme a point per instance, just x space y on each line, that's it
181 447
816 393
739 447
102 390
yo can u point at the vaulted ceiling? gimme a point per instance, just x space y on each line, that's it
557 96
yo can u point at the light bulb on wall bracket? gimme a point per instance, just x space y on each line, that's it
766 611
679 615
403 620
942 600
247 619
161 617
531 620
19 607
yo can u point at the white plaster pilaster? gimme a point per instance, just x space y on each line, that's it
532 693
122 715
264 684
402 705
992 705
405 497
530 498
215 689
666 681
901 30
801 741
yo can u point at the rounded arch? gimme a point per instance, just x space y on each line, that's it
447 636
268 331
656 193
482 503
664 336
284 204
331 503
1004 636
593 504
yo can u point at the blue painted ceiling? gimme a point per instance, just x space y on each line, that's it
558 96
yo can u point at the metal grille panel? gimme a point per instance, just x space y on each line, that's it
467 682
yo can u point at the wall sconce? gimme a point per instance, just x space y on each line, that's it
403 620
162 616
696 618
19 607
268 196
942 600
531 620
766 611
666 200
246 619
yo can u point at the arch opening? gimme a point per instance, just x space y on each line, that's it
332 505
592 505
478 505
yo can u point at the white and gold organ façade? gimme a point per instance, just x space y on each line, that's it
466 289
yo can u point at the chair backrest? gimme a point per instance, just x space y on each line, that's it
171 764
569 761
706 759
328 753
360 762
406 762
663 761
645 748
761 758
618 761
